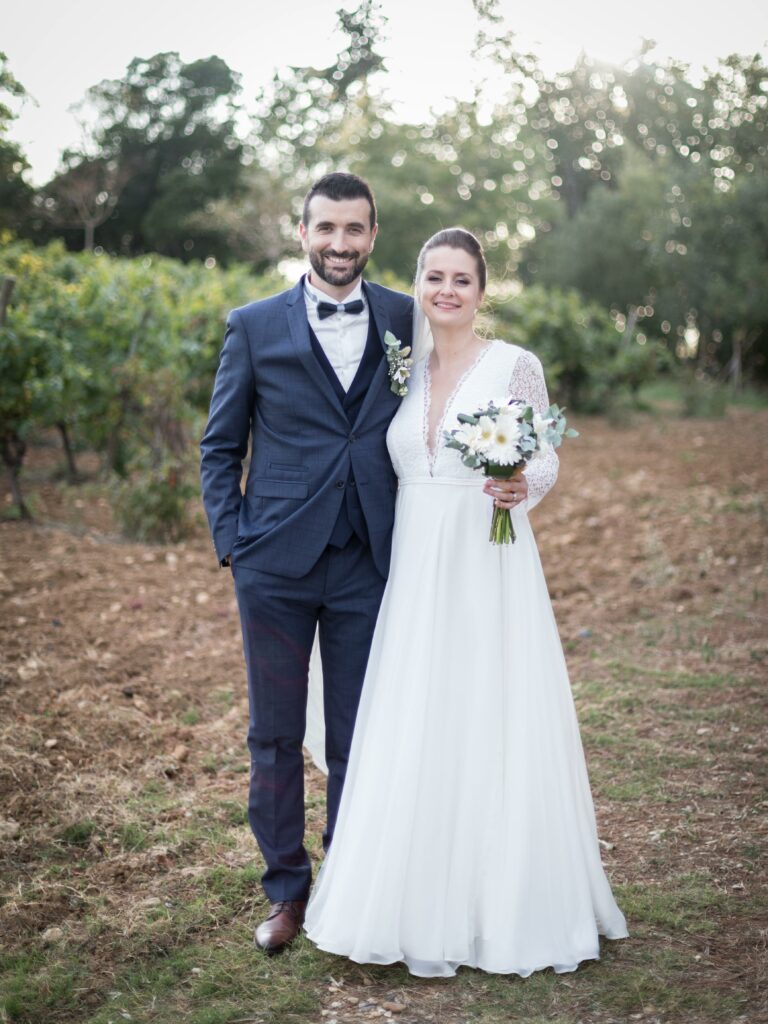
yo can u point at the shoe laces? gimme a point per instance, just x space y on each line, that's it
291 907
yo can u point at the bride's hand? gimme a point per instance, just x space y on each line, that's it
507 493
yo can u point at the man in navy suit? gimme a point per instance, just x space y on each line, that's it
303 374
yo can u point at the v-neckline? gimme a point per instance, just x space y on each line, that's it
432 455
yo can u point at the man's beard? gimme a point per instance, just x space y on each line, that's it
337 276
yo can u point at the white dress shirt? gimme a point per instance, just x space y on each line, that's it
342 336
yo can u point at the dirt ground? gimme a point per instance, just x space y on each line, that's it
121 669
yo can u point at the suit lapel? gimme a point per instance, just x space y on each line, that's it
378 310
299 327
381 320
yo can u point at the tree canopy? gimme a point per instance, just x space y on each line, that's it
15 192
638 186
162 146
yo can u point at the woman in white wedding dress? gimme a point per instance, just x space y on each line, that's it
466 834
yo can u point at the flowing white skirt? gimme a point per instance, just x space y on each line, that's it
466 834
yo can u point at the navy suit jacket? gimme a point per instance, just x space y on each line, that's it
271 387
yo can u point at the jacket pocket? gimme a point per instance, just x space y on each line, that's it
262 488
284 467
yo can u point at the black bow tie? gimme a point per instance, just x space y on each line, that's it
325 309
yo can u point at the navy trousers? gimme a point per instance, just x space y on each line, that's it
341 595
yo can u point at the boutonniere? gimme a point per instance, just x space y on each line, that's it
399 364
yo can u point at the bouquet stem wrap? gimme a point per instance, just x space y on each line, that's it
502 530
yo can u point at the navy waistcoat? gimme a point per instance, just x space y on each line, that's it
351 519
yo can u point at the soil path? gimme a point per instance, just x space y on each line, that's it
121 674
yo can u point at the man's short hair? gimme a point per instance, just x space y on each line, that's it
340 185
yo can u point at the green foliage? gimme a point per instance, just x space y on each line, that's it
78 833
154 505
23 367
15 193
36 987
588 362
670 254
123 354
163 146
612 249
639 186
308 106
632 189
630 184
704 397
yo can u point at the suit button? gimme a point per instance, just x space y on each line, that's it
352 438
340 484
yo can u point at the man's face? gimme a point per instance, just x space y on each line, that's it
338 239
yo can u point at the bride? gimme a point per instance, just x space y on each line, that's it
466 834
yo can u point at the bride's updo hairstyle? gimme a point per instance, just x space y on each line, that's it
455 238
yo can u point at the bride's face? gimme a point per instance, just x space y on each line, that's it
449 288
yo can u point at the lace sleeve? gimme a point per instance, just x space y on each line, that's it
527 385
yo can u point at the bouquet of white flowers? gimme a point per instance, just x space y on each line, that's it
502 439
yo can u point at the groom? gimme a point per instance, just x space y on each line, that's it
303 375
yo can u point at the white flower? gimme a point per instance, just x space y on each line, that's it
507 430
471 435
398 363
487 428
503 448
510 417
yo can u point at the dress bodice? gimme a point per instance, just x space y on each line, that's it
500 371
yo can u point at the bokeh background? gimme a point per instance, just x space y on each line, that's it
623 203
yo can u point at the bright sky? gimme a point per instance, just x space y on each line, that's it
58 49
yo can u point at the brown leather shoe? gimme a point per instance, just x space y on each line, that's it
281 927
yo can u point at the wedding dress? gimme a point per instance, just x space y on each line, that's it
466 834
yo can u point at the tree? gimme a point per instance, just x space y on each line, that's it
723 276
15 193
301 115
83 195
591 366
165 133
255 226
613 251
465 167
